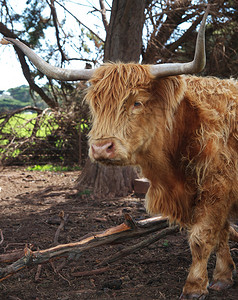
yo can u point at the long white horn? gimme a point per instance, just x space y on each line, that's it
47 69
195 66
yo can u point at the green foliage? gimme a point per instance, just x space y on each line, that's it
85 192
21 93
21 125
52 168
8 103
52 136
166 243
17 98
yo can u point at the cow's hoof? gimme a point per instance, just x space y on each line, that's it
193 296
219 285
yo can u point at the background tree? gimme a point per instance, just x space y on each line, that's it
169 32
124 32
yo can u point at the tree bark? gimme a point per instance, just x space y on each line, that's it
123 42
124 37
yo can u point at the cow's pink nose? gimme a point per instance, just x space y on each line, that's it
103 150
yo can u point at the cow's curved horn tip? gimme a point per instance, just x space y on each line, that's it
4 42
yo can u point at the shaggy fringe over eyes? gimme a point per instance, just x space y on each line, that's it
116 81
110 84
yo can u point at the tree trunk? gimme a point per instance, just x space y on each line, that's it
124 36
123 42
106 182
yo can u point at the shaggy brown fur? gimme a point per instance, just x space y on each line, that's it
183 133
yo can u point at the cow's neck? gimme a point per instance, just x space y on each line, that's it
162 165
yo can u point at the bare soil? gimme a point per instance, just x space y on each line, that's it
30 204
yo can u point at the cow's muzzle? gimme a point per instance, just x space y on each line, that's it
102 150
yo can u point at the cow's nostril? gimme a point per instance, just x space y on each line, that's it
110 147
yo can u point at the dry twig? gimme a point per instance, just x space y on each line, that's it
104 16
63 219
37 276
11 256
2 237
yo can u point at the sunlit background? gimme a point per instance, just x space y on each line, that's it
11 73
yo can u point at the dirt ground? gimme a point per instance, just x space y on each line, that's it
31 201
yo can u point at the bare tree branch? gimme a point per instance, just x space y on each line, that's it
145 243
171 47
128 230
160 36
96 35
103 13
91 272
11 256
55 21
37 276
7 115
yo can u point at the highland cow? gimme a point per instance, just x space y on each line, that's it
182 131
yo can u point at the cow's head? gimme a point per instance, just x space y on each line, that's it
128 106
119 100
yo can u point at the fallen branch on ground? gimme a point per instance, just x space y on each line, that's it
146 242
11 256
128 230
37 276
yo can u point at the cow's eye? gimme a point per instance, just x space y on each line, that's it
137 104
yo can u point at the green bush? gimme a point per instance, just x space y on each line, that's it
51 168
47 137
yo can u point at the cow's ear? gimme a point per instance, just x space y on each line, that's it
169 90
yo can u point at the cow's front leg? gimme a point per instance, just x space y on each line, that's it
225 266
202 242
